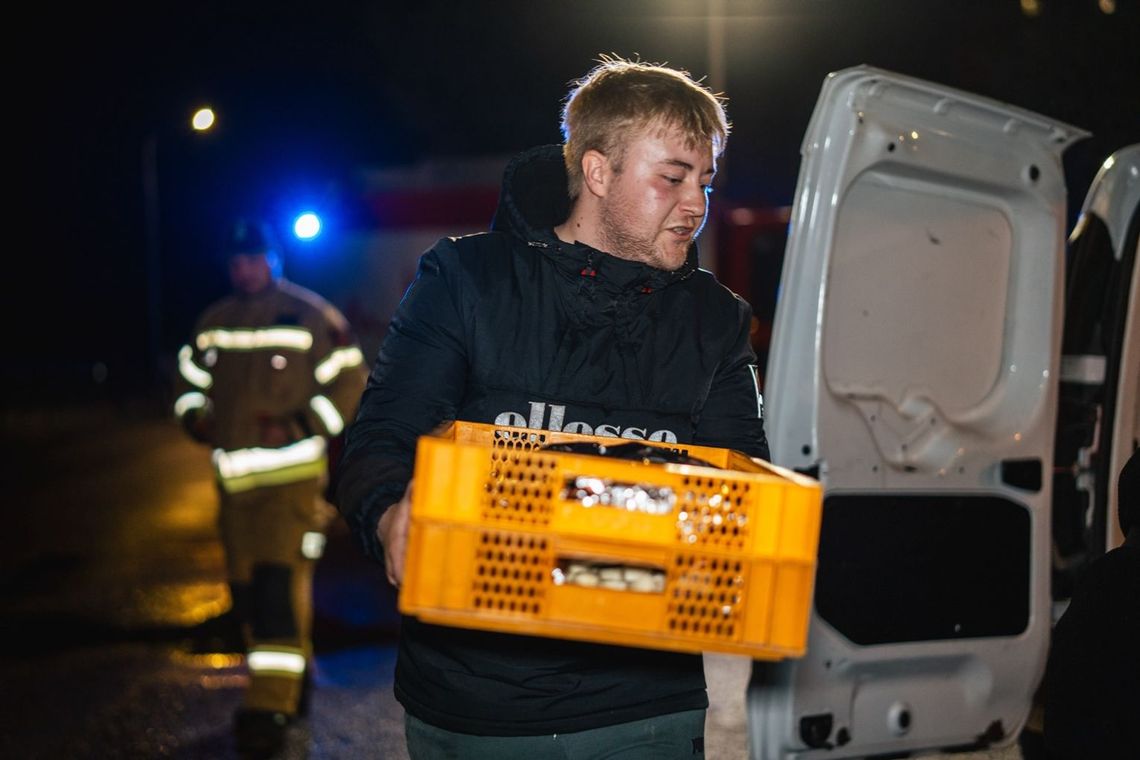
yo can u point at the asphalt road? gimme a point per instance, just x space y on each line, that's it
112 554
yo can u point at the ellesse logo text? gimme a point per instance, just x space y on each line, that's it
553 417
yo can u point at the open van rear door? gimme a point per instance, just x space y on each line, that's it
1099 413
913 369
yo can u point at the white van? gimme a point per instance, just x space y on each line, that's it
956 396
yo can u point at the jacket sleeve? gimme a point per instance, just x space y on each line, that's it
733 413
338 374
193 404
417 383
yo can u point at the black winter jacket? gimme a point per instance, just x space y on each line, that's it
516 327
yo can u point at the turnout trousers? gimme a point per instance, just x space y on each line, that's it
272 537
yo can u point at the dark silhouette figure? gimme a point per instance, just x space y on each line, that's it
1092 680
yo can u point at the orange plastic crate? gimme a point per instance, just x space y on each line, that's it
495 544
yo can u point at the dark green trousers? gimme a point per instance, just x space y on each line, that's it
677 736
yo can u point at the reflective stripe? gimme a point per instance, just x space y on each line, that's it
233 464
246 340
245 469
312 545
326 410
188 401
194 374
1084 369
338 361
282 660
281 477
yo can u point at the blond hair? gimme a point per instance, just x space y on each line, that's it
618 97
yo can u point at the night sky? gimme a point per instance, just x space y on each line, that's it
308 93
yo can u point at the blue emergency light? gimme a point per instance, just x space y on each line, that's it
307 226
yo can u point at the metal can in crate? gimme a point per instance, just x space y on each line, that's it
715 552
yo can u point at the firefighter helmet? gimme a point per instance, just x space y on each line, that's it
249 236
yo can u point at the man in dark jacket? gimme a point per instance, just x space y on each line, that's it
1092 679
582 310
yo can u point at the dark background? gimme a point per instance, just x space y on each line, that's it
307 94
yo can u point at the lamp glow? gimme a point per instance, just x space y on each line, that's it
203 119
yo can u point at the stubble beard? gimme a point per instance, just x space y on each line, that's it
619 239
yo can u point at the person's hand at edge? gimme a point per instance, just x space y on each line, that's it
392 531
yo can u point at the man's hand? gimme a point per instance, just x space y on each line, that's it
392 530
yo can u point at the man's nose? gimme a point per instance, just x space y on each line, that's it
695 199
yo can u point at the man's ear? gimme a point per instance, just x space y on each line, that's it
596 172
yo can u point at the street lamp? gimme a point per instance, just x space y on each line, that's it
716 82
202 120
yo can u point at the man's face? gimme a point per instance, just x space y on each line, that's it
250 273
656 205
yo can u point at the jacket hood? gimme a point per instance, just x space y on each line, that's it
533 197
534 200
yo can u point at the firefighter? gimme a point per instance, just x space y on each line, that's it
269 379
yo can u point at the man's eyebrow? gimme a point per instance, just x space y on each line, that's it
684 165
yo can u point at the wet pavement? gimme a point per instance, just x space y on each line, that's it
112 555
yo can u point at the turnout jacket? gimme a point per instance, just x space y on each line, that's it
284 356
515 327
